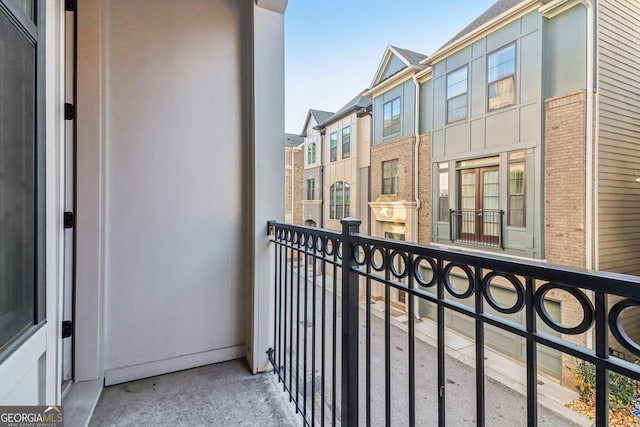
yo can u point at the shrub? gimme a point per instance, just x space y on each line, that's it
623 391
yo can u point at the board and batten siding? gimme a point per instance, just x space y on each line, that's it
619 144
619 136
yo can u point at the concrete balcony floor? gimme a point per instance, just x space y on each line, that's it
223 394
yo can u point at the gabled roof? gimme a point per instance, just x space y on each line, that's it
495 10
411 57
408 57
358 102
292 140
318 115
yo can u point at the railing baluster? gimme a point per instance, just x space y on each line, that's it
350 325
412 355
292 310
480 391
532 355
442 419
602 346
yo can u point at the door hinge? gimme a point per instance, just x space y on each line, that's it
68 220
69 111
70 5
67 327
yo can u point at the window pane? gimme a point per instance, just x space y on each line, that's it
457 83
391 117
347 200
516 215
390 177
502 93
516 211
334 146
457 108
501 63
346 142
332 202
443 193
17 181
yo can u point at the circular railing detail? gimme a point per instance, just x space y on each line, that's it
583 300
403 271
377 266
615 325
360 254
517 286
417 274
447 280
329 246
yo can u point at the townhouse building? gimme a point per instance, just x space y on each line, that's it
532 112
518 137
346 137
293 170
312 180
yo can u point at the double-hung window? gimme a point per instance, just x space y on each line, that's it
339 200
346 142
501 71
517 191
390 183
333 147
443 191
22 207
311 189
391 117
457 99
311 153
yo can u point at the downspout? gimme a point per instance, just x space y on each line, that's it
416 148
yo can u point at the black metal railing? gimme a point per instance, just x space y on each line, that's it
342 360
482 227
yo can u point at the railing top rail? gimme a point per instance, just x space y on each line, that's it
600 281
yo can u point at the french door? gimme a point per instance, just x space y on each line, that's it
479 196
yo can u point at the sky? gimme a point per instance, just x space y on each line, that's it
333 47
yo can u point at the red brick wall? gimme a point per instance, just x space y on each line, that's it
424 189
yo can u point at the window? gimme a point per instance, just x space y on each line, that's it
21 173
457 95
443 191
339 200
346 142
390 177
311 189
333 152
516 200
501 69
391 117
311 153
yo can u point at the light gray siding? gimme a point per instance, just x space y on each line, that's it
619 136
565 52
488 133
393 66
406 92
619 145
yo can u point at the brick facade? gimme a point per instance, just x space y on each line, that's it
424 189
401 149
565 173
294 170
299 185
565 201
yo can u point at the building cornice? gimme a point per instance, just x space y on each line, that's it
393 81
556 7
468 39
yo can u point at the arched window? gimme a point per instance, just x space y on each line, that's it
311 153
339 200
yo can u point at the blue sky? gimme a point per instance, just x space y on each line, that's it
333 47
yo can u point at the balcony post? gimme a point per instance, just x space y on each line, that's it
350 325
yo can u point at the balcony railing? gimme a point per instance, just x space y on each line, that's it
340 363
483 227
